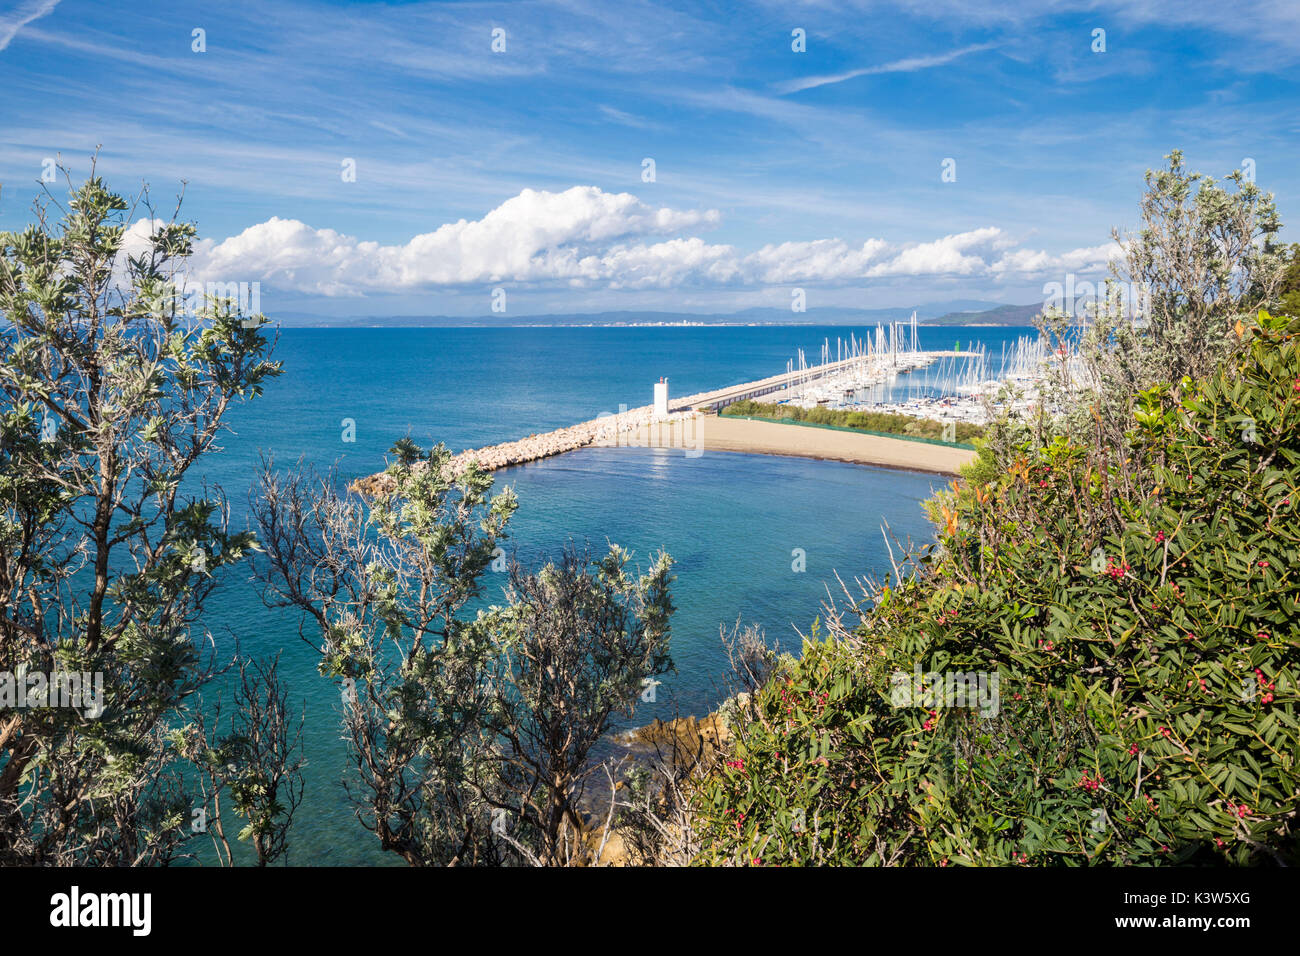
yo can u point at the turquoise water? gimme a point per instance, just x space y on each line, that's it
731 521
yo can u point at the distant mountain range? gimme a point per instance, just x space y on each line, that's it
957 312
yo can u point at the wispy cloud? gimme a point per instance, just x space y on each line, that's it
627 119
11 23
907 65
1049 136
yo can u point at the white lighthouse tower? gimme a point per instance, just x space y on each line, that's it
661 398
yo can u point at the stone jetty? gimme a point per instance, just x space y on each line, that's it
597 431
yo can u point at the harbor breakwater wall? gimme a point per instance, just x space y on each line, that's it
610 429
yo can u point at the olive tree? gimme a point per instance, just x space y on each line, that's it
469 731
111 394
1202 259
578 642
381 585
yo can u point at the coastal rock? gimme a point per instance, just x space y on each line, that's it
682 738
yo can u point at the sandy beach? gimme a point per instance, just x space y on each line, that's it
707 433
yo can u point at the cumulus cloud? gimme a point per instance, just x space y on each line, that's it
962 254
820 260
666 264
535 236
585 237
1031 262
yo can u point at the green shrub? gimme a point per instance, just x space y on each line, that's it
1145 637
887 422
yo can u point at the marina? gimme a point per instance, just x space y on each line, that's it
884 371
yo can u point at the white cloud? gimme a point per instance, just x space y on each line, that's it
1081 261
907 65
668 264
587 238
819 260
535 236
952 255
25 13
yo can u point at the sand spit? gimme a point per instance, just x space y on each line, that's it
692 435
707 433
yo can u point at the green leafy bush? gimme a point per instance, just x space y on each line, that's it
1140 627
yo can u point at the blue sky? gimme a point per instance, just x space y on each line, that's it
774 169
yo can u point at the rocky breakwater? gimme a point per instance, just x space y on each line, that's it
603 430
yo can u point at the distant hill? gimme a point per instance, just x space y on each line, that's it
1001 315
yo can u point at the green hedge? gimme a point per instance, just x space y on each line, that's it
887 423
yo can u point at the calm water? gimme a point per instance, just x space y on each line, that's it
730 521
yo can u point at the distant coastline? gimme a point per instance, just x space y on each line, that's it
958 313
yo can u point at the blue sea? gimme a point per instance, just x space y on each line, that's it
732 522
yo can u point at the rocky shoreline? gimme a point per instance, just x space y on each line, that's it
683 742
696 738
